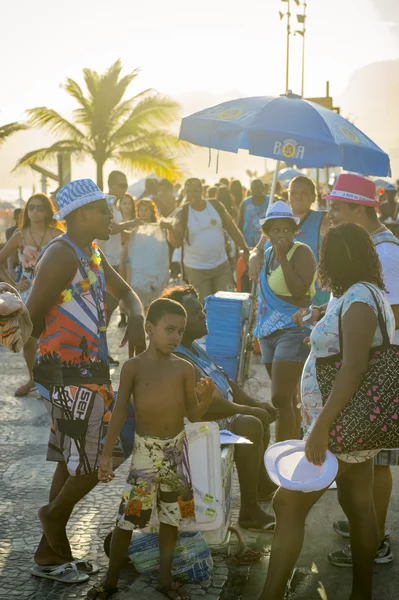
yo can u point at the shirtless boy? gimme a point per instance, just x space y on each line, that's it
164 392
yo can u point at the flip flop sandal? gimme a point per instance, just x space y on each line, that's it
86 566
258 527
174 588
24 390
67 573
244 554
97 590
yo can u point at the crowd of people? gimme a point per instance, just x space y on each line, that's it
328 283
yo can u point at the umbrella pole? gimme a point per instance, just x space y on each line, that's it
274 181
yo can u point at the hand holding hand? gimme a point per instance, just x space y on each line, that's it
105 472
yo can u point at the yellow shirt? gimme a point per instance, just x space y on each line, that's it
276 278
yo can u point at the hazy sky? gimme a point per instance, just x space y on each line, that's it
186 46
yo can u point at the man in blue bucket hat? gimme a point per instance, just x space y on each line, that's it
68 311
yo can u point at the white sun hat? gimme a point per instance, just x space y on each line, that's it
289 468
76 194
279 210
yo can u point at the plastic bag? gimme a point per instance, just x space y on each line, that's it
149 258
192 561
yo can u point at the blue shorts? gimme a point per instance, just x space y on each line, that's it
285 344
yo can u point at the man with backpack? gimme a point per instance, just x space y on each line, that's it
199 228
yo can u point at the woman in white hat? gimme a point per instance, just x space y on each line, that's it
350 267
287 282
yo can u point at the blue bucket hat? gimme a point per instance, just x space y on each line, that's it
76 194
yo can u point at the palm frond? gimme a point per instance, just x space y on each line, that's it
67 146
47 117
147 114
9 129
74 90
152 160
154 139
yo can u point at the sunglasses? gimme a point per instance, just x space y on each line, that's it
103 210
38 207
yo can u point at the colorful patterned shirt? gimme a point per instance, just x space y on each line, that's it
72 348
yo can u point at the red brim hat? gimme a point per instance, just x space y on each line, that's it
354 189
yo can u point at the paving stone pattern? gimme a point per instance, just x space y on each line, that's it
25 479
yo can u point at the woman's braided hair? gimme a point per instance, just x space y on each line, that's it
348 256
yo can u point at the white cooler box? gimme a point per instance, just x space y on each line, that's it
211 473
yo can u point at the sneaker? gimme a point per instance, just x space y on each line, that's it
343 558
342 528
112 361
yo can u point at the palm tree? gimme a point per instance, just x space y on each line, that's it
106 126
9 129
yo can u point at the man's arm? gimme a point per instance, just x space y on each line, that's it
240 223
55 270
241 397
126 225
176 229
256 259
130 304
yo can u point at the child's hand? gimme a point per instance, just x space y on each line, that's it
204 389
105 472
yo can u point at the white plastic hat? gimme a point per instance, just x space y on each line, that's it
289 468
279 210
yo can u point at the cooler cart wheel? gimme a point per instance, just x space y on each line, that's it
247 340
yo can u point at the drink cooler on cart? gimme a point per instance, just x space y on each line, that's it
244 284
230 317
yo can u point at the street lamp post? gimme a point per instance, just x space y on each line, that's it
302 19
287 62
287 65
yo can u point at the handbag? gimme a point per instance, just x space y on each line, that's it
370 421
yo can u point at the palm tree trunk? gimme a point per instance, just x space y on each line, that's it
100 178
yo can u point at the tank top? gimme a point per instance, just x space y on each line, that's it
72 348
276 278
309 234
206 249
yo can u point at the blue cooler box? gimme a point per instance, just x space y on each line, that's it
226 312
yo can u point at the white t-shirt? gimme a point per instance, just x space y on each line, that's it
388 254
206 248
112 248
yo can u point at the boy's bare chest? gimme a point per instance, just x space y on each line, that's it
163 380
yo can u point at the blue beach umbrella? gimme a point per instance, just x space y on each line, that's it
288 174
286 128
384 184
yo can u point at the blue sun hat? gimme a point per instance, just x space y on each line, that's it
76 194
279 210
